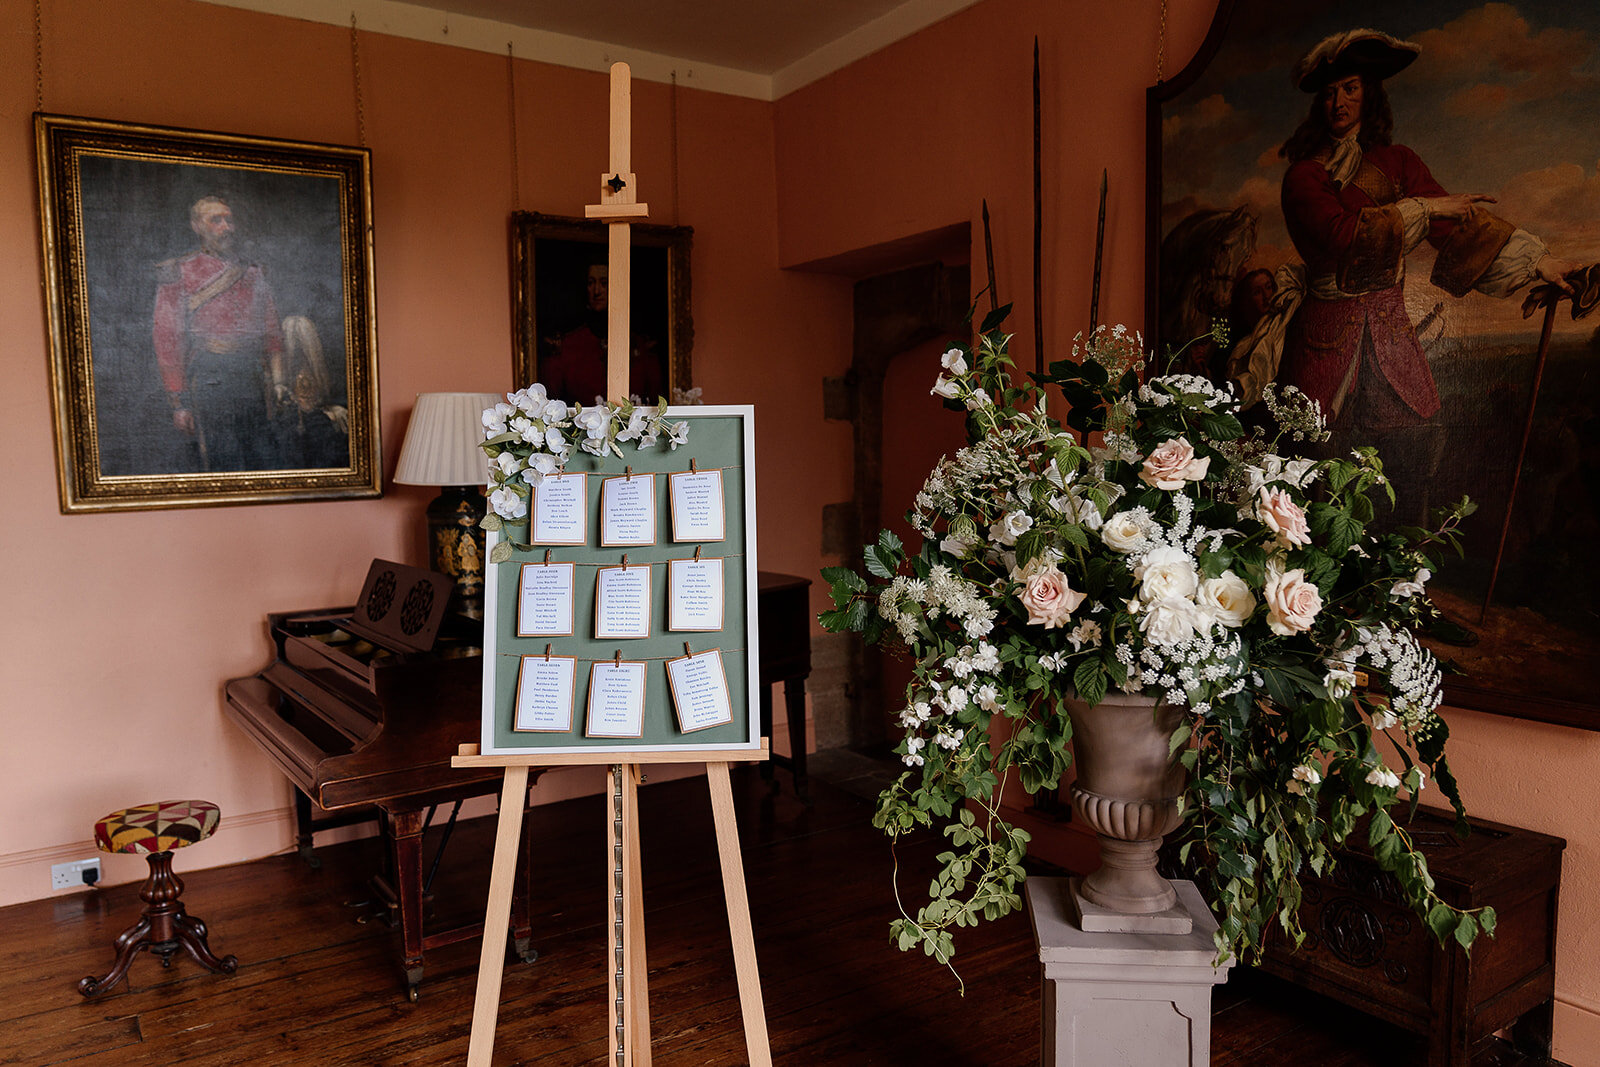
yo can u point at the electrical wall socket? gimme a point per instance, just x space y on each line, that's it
71 875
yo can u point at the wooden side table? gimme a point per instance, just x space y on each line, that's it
1366 948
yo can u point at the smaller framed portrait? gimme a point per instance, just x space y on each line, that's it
562 291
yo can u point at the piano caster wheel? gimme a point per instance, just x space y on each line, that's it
412 992
525 952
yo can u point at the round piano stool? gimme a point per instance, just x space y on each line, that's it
153 831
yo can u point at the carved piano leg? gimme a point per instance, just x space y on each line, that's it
406 828
794 697
522 894
302 830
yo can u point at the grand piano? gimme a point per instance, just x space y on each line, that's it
362 708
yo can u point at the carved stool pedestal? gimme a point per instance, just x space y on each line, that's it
154 830
1123 999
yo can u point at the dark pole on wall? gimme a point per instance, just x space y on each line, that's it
988 256
1038 227
1099 257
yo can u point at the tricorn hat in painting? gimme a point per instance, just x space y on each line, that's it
1370 52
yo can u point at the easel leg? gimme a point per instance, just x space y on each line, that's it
497 917
637 976
744 943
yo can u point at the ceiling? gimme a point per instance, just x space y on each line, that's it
758 48
757 36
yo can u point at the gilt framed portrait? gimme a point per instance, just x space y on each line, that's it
561 291
210 299
1372 198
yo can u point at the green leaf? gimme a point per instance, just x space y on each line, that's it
491 522
500 552
1180 737
876 564
995 318
1441 920
1486 919
1090 681
1466 931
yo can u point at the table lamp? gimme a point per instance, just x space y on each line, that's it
441 448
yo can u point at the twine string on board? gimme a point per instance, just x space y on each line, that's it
511 115
355 66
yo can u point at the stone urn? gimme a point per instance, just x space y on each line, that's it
1127 791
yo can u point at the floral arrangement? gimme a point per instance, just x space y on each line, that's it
530 435
1152 545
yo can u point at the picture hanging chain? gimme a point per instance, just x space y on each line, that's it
38 55
511 115
674 134
355 64
1161 44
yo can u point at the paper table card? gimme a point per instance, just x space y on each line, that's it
560 510
616 699
697 512
694 594
622 602
699 691
544 602
544 694
628 510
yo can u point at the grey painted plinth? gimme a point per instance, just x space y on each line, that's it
1123 999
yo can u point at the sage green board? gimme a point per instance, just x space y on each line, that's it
717 439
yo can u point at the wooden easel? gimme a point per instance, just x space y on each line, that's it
627 993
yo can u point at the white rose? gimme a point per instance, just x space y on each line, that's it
1170 621
1123 532
1292 602
1226 598
1166 573
1172 464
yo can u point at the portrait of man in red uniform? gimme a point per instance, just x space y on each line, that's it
576 370
219 346
1373 197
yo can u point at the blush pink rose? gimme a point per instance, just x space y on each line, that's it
1283 517
1049 599
1292 602
1172 464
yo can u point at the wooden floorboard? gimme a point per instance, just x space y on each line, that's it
317 986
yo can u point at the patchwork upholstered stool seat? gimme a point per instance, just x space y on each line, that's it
153 831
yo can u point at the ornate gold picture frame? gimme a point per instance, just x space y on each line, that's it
212 338
558 305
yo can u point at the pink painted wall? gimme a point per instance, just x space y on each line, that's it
913 137
119 630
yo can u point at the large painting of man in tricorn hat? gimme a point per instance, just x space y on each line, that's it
1370 197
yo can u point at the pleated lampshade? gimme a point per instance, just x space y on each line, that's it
441 446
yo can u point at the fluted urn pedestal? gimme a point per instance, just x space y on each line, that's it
1127 791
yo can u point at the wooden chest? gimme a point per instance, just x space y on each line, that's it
1364 947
